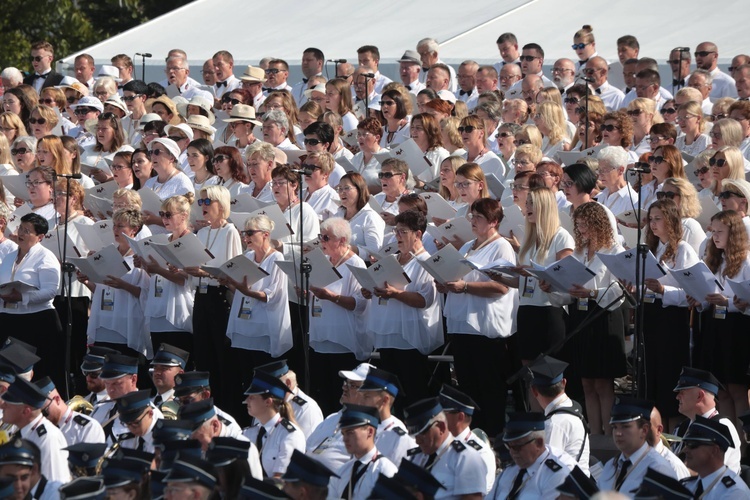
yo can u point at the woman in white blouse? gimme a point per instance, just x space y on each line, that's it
425 130
200 156
393 175
480 317
666 320
474 137
122 170
318 193
369 133
259 328
405 323
117 316
550 120
28 313
693 139
211 306
367 226
7 245
169 180
683 193
643 114
169 308
230 168
337 316
39 182
260 161
396 114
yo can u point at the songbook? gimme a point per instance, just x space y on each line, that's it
630 235
373 204
105 190
18 285
98 206
145 248
409 152
281 227
295 156
150 201
101 163
571 157
98 266
186 251
238 268
438 207
16 184
245 203
390 248
740 288
697 281
322 272
96 236
346 164
53 241
350 138
630 216
445 265
495 185
457 227
513 220
622 265
14 219
385 270
499 267
563 274
708 210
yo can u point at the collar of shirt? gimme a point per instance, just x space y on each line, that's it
464 435
637 455
272 423
102 395
624 191
448 440
294 392
557 402
707 480
66 416
386 424
367 457
166 396
31 425
710 413
533 468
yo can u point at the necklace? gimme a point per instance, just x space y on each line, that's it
158 185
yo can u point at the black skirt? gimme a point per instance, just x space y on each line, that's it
599 349
539 328
723 346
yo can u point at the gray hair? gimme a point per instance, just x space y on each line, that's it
264 149
707 75
181 61
339 227
26 140
278 117
614 156
108 83
13 75
429 43
493 109
262 222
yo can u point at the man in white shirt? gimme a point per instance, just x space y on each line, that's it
438 77
311 65
363 86
707 57
627 48
679 62
510 74
20 461
428 54
628 75
467 90
657 442
137 418
276 74
369 58
647 88
178 75
168 362
124 65
84 70
225 80
252 80
563 74
75 426
507 46
617 194
597 70
486 79
702 80
532 62
408 70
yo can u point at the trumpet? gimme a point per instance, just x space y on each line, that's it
81 405
111 453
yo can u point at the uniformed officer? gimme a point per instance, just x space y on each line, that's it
75 426
123 477
191 387
459 409
657 485
190 477
7 376
380 390
254 489
357 477
577 486
306 477
631 421
706 442
170 431
20 459
20 356
460 469
536 471
137 417
84 457
168 362
275 433
415 480
307 413
231 457
696 392
120 376
84 488
91 367
23 402
565 427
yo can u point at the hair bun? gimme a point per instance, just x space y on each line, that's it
587 27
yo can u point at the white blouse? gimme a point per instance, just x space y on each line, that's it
39 268
369 171
223 243
528 287
323 201
368 230
169 306
684 257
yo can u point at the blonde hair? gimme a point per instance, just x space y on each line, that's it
325 160
735 164
532 152
647 105
47 113
5 158
221 195
532 134
262 222
585 34
694 108
553 117
689 204
455 162
730 130
179 203
539 235
551 94
132 198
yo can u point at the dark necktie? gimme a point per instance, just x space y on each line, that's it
349 492
92 398
305 80
627 90
221 84
408 87
582 62
157 400
267 89
517 482
43 77
699 489
678 83
425 69
623 472
430 461
599 91
259 439
463 92
141 442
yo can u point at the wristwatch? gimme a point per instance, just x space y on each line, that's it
592 293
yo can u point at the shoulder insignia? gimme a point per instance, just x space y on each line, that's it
412 451
458 446
474 444
125 436
80 420
554 466
288 425
299 401
41 430
399 431
728 481
223 420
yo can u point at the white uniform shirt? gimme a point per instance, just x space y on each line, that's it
539 482
468 438
721 484
281 439
79 428
459 468
372 464
566 432
641 460
326 443
393 440
307 413
679 468
50 440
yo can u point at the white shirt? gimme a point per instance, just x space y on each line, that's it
721 484
51 443
39 268
326 443
79 428
490 163
323 201
372 464
367 230
611 96
620 201
562 240
643 458
488 456
566 432
224 244
232 83
696 147
723 85
281 439
393 440
307 413
459 468
540 480
679 468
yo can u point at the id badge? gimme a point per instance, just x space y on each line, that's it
720 312
246 310
649 297
583 304
108 299
317 309
11 305
158 287
382 301
529 287
202 286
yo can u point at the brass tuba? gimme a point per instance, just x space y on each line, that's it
81 405
169 409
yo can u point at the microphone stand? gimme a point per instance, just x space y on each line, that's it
367 97
305 268
640 278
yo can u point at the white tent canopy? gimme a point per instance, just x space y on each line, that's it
251 30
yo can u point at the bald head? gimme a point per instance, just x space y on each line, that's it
598 70
530 86
706 56
563 72
509 74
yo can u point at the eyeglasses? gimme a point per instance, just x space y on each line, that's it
84 111
387 103
528 58
272 71
717 162
657 138
343 189
20 151
115 167
468 129
204 201
567 184
700 171
324 237
48 102
713 117
313 142
521 142
518 187
518 447
668 111
176 138
571 100
714 135
401 232
130 98
166 215
387 175
35 58
703 53
656 159
610 128
561 70
634 112
578 46
157 152
279 183
725 195
173 68
666 194
250 232
34 184
463 185
503 135
93 375
590 71
135 422
220 158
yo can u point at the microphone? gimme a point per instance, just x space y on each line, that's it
681 49
303 171
628 296
643 170
144 54
368 75
586 79
67 176
337 61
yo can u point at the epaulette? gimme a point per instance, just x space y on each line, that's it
223 420
80 420
728 481
288 425
399 431
125 436
412 451
474 445
458 445
299 401
554 466
41 430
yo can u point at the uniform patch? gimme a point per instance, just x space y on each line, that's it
399 431
458 446
41 431
299 401
288 425
411 452
80 420
728 481
223 420
554 466
474 445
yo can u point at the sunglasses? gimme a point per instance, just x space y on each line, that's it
135 422
518 447
220 158
40 121
387 175
674 61
641 164
528 58
93 375
72 100
250 232
503 135
725 195
634 112
204 201
19 151
84 111
656 159
387 103
468 129
668 111
718 117
233 101
166 215
176 138
571 100
717 163
35 58
310 167
156 152
48 102
130 98
700 171
703 53
325 237
272 71
578 46
666 194
313 142
610 128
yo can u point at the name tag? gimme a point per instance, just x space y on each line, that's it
317 309
583 304
382 301
529 287
720 312
649 297
202 286
246 310
158 287
11 305
108 299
